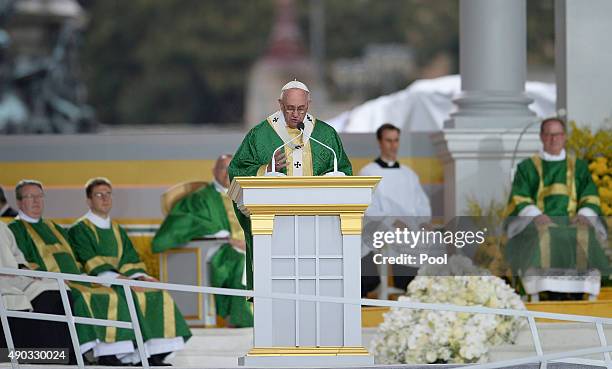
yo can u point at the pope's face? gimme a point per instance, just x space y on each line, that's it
294 106
32 201
101 201
389 144
220 171
553 137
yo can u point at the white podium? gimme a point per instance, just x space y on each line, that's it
307 241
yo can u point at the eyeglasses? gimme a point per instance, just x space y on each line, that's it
33 197
293 109
554 135
103 195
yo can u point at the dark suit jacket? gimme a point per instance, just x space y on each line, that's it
9 212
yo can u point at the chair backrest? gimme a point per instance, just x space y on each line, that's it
177 192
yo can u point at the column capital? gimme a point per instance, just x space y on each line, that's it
486 143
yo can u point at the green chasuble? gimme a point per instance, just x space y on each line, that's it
255 152
45 247
101 250
559 189
205 212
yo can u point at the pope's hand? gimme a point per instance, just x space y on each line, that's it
280 161
238 244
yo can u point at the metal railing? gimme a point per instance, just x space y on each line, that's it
71 320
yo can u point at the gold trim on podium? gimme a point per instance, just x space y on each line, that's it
305 181
350 223
262 216
309 351
262 224
304 209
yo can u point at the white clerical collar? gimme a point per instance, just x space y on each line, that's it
98 221
28 219
550 157
389 163
219 187
3 209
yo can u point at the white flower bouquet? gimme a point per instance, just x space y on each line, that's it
419 336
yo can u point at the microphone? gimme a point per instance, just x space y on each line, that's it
300 126
274 173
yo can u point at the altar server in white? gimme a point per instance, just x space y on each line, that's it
398 197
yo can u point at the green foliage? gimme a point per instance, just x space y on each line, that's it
585 145
159 61
187 61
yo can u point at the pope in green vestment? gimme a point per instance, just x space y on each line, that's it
299 157
554 208
104 249
209 211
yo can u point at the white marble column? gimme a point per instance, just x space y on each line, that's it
583 57
493 64
478 144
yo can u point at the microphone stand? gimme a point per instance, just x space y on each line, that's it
335 173
274 173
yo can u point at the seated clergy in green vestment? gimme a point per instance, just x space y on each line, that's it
554 227
209 212
38 295
105 250
45 247
298 157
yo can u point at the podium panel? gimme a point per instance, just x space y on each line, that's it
306 259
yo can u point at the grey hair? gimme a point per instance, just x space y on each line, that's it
282 94
23 183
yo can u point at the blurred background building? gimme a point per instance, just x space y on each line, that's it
218 64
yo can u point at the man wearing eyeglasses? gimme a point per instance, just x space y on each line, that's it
105 250
298 157
554 230
45 246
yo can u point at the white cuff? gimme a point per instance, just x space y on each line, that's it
224 233
520 222
587 212
593 218
530 211
108 274
138 275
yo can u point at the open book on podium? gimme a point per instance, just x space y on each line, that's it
306 241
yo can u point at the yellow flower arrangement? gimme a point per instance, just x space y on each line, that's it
596 148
